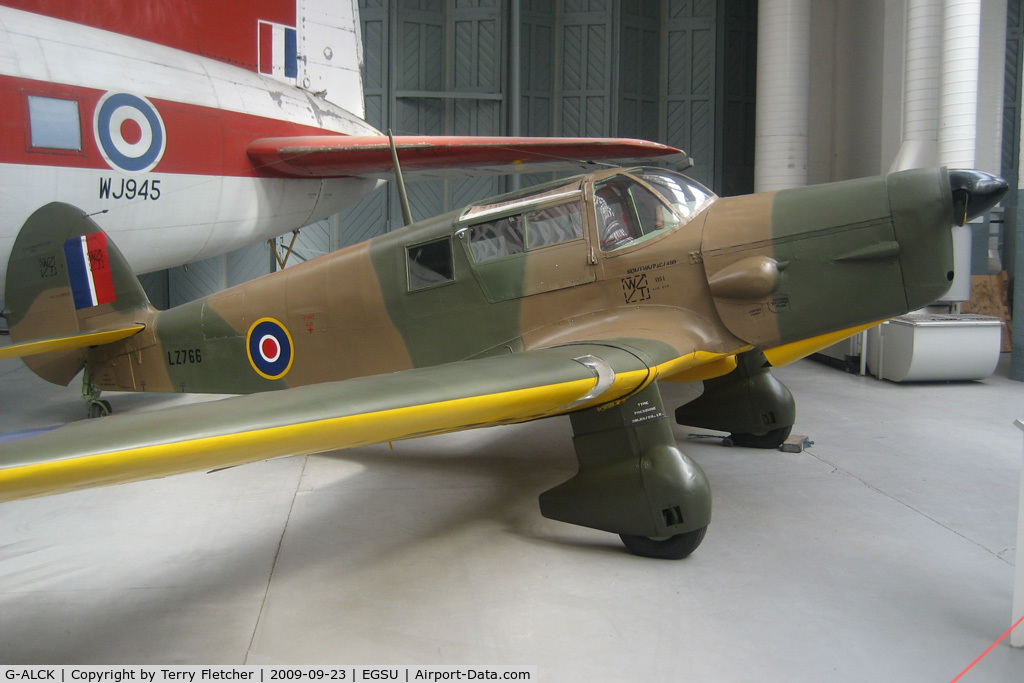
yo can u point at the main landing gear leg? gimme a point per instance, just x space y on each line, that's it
95 406
750 403
633 480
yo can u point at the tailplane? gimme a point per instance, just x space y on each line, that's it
68 289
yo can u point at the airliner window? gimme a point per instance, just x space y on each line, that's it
54 123
430 263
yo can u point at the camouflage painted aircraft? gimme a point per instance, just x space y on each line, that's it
576 297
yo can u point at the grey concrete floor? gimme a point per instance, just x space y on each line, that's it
883 553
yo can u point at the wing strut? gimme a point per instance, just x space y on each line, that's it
403 196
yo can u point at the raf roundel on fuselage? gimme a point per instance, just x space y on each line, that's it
269 348
130 132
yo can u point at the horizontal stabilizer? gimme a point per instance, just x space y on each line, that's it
326 156
78 340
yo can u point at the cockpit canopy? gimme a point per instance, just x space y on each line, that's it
631 206
628 207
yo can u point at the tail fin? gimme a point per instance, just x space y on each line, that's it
322 53
331 44
68 288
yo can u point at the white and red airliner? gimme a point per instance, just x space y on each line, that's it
188 128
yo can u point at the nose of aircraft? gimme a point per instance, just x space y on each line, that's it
974 193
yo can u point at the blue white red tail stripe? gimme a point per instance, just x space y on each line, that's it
278 50
89 270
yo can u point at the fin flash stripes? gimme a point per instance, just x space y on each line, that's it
89 270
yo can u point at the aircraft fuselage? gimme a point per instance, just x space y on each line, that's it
152 141
784 272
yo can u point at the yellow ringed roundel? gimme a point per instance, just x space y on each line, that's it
270 348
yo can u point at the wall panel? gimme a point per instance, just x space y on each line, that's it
675 71
587 66
690 87
639 70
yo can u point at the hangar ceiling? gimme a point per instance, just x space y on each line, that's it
681 72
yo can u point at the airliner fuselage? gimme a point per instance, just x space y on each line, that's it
153 140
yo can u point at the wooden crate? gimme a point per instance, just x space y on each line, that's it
990 296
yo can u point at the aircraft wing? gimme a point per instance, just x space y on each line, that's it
323 417
324 156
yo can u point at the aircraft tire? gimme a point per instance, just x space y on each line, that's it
671 548
99 408
772 439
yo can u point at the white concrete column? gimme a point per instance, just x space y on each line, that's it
922 71
991 75
958 92
783 84
958 117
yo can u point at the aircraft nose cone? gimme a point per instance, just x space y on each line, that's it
974 193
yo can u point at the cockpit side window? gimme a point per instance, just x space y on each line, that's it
615 223
651 211
554 225
684 195
525 231
627 211
496 239
430 264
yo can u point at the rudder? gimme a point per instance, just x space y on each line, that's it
65 276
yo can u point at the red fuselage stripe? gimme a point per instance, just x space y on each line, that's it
200 140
